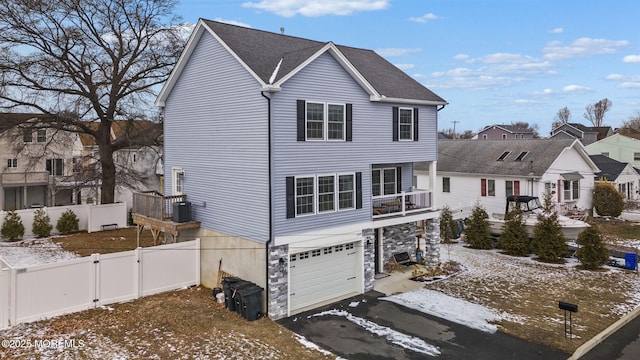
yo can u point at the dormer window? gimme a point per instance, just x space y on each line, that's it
504 155
522 155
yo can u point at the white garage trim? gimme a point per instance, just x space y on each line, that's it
323 274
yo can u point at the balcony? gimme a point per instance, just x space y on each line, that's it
25 178
402 204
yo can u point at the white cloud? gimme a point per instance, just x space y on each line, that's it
397 51
461 57
576 89
526 101
614 77
631 59
289 8
583 47
630 85
558 30
424 18
405 66
233 22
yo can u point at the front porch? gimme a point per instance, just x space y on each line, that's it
155 211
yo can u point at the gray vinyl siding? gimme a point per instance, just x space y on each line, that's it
216 130
324 80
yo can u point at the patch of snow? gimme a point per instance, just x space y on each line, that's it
396 337
31 252
354 304
309 345
448 307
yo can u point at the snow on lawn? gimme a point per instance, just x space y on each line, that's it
396 337
447 307
30 252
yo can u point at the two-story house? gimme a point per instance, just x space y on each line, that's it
623 148
297 157
586 134
37 164
504 132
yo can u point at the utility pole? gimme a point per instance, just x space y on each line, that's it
454 127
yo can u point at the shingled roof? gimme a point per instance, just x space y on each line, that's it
610 168
488 156
274 57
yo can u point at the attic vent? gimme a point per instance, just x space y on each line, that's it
522 156
504 155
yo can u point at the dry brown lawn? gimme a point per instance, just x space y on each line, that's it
104 242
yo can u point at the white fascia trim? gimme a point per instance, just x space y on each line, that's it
342 60
190 47
322 237
382 98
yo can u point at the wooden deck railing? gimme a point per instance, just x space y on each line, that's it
155 206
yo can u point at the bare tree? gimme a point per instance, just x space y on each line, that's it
595 112
86 64
562 117
632 125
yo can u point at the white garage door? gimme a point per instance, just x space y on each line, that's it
323 274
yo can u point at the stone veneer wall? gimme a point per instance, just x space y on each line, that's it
432 242
369 258
278 289
398 238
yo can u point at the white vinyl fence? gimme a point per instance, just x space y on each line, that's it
43 291
90 217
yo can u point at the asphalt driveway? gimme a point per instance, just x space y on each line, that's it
350 340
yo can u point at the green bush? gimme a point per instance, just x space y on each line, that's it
447 226
514 239
591 253
67 223
607 200
41 224
12 228
477 229
548 240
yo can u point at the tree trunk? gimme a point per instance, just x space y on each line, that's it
107 190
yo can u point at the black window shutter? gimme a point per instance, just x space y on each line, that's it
301 119
358 190
399 179
291 197
415 124
349 120
395 123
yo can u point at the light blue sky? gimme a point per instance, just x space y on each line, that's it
494 61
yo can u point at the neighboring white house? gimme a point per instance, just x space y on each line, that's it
625 149
488 171
624 176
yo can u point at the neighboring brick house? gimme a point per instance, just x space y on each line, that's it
297 156
505 132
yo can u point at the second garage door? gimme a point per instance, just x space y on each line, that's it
323 274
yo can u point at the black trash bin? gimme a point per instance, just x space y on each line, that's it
227 282
235 294
251 302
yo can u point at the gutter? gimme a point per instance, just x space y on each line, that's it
270 239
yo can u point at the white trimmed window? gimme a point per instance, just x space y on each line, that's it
346 191
177 181
316 194
325 121
12 163
55 167
405 124
305 195
41 135
571 190
384 181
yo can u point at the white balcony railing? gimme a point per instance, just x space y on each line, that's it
401 204
25 178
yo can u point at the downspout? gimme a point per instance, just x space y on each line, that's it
438 109
270 239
